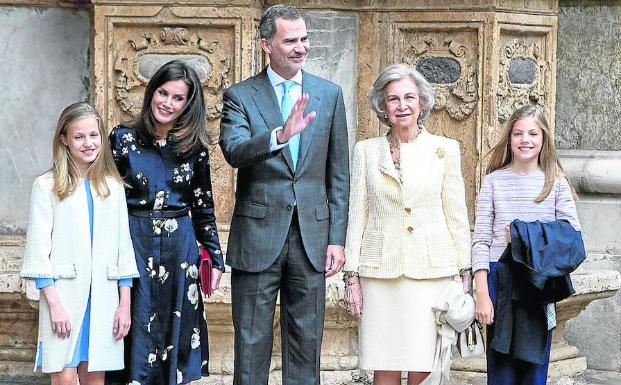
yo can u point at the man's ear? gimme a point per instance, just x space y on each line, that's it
266 46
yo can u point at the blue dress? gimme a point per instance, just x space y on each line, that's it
81 349
168 340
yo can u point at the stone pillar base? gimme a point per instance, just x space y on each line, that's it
559 366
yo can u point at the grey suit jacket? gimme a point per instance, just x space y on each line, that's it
267 186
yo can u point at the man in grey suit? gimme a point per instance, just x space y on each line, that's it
286 133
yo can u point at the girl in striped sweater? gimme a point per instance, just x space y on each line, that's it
524 180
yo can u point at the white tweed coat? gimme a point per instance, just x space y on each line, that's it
418 229
58 246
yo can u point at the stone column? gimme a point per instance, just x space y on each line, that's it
18 315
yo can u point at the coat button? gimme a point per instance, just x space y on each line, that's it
410 229
408 210
289 206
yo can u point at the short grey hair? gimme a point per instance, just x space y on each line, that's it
377 95
267 25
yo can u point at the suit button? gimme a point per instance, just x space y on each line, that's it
408 210
289 206
410 229
295 180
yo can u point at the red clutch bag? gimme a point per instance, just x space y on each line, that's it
204 270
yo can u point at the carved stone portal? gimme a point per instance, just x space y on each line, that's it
140 55
457 61
526 73
132 41
522 74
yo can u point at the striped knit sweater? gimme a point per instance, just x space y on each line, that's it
506 196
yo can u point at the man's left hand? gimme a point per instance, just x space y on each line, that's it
335 259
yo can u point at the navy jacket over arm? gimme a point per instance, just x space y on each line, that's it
533 271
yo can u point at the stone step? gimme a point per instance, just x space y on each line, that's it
40 380
589 377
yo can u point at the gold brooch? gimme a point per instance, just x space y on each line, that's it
440 152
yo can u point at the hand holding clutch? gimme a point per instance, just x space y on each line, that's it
205 271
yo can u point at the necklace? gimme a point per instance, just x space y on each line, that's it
395 148
393 145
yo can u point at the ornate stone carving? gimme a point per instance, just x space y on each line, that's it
143 53
520 92
460 97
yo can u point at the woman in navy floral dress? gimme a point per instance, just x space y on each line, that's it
164 160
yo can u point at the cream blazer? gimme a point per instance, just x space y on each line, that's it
58 246
418 229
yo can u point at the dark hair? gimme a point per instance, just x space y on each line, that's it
267 25
190 130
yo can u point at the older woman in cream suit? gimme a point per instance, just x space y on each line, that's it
408 233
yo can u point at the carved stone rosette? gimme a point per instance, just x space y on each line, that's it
143 53
519 87
458 97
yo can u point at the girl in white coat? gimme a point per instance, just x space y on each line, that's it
80 254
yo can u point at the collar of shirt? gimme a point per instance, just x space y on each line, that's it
276 81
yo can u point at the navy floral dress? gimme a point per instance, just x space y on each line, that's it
168 342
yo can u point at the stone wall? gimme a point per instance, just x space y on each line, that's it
589 75
45 67
596 331
333 55
595 175
588 111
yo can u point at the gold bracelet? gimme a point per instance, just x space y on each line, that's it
349 274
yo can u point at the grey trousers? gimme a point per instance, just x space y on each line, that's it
302 308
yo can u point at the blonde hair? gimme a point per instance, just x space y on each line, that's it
65 171
501 155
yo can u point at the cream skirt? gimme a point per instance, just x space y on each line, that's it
397 330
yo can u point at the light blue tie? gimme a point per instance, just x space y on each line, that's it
285 109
